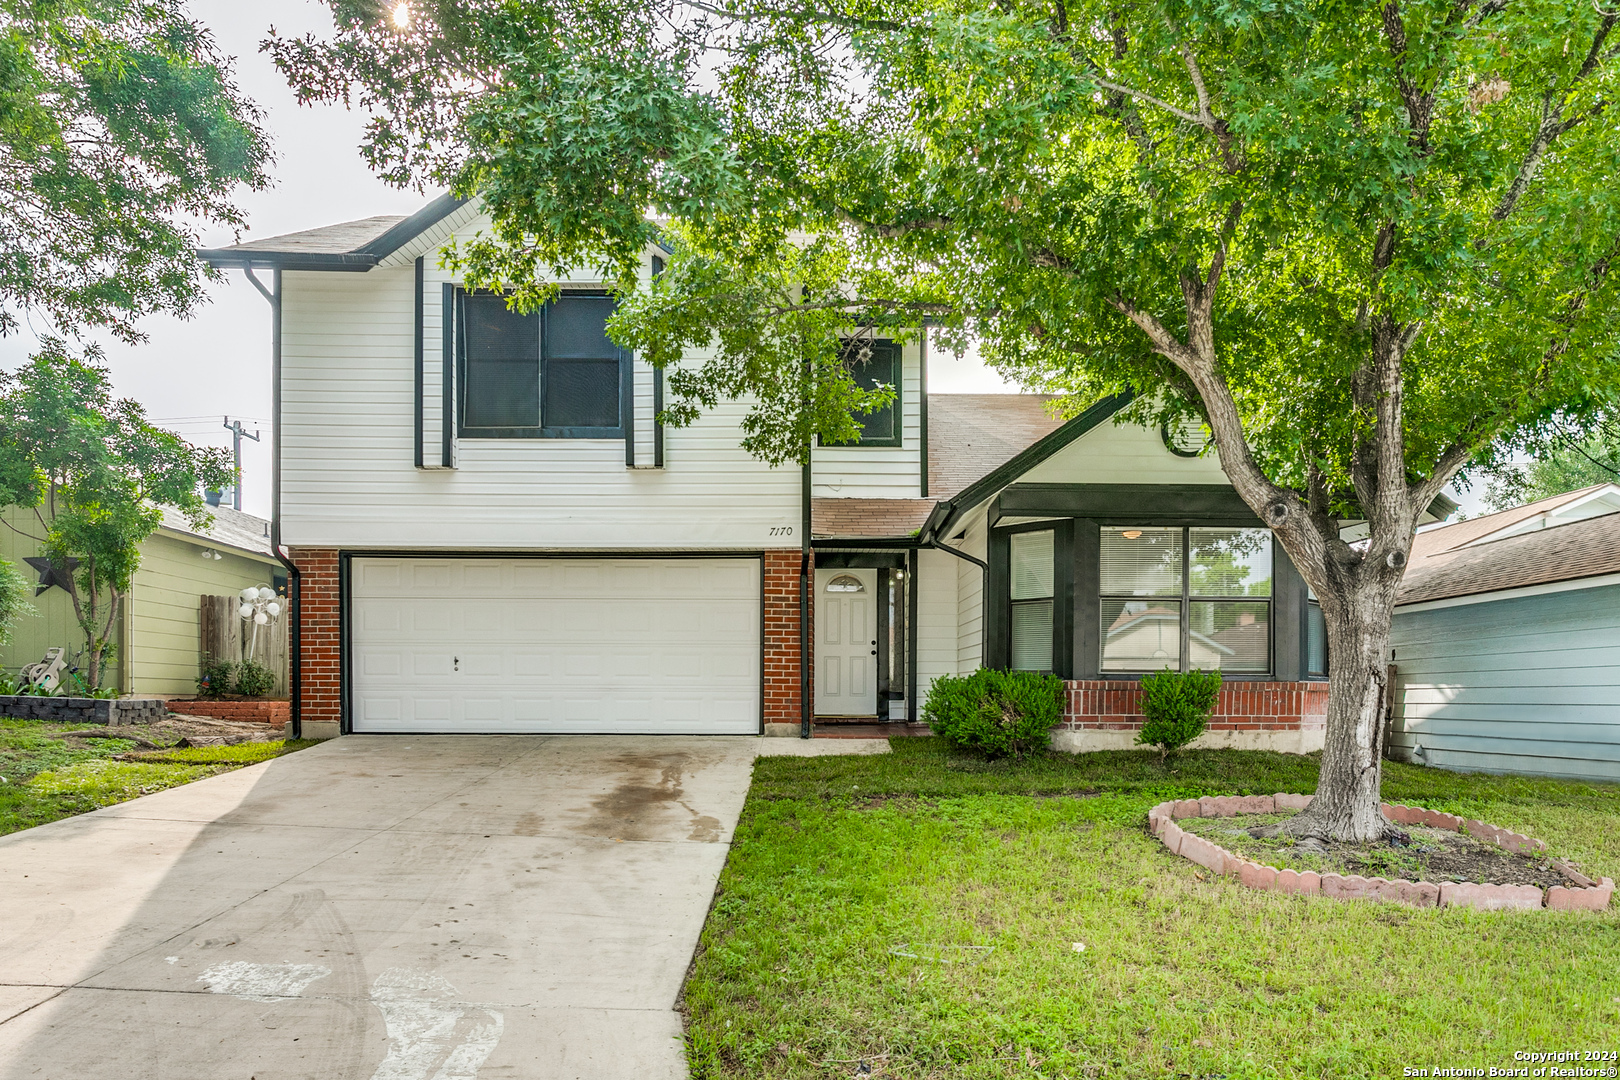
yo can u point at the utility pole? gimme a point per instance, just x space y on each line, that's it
237 435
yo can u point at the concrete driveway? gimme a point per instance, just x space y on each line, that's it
382 908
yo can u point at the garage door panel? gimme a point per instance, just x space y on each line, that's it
556 645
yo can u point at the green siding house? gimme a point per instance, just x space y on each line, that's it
157 639
1507 642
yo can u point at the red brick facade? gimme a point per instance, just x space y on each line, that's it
320 655
782 635
274 713
1110 705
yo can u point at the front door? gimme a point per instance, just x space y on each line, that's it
846 642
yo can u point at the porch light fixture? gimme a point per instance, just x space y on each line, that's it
1132 534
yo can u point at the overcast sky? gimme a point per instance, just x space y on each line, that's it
191 374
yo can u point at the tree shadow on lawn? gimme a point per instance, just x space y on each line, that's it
839 860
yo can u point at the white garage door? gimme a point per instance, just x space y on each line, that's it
555 645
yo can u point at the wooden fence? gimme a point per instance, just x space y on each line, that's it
226 636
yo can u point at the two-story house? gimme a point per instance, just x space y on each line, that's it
491 532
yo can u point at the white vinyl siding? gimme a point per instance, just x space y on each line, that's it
556 645
970 595
1113 453
879 472
936 618
348 458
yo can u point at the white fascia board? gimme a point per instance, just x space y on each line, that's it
1570 585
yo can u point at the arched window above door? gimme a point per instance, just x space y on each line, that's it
845 583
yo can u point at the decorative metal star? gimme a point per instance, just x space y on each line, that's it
50 575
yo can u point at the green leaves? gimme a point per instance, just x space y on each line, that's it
120 131
96 473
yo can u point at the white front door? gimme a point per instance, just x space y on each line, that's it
846 642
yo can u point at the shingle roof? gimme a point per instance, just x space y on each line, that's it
1450 537
354 246
337 239
1585 548
971 434
230 528
867 518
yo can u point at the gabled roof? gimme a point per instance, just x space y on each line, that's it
354 246
971 434
1432 541
950 510
230 528
1589 547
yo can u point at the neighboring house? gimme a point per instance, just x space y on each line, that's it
494 534
156 639
1507 641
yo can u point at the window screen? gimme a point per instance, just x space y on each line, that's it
1186 598
581 374
551 373
1033 571
873 364
502 375
1316 650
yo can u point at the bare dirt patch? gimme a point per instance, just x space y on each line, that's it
1419 853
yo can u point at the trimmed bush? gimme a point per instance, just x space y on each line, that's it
1176 706
217 679
253 679
997 713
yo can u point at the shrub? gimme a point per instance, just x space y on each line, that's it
997 713
253 679
1177 706
218 677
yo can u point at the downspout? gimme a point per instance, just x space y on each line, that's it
984 567
295 680
806 710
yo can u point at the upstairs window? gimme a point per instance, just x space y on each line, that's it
1186 598
551 373
872 364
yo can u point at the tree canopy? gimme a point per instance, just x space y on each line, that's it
1561 461
1368 245
120 134
96 474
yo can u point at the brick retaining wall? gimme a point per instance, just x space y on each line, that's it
274 713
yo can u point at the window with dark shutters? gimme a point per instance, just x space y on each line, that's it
552 373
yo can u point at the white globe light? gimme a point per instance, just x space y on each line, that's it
261 618
266 593
249 595
245 611
272 609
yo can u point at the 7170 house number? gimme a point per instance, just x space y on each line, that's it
781 530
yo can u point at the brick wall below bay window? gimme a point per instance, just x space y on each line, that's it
781 598
1116 705
320 656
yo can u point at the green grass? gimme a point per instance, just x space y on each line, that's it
840 861
43 778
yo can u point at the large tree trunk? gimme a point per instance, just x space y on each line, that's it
1347 802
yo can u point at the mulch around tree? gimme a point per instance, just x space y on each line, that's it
1417 853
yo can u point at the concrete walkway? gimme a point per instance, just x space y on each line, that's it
377 908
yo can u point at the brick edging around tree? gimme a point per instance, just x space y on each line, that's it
1162 822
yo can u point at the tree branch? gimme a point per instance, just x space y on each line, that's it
1149 99
1553 124
890 232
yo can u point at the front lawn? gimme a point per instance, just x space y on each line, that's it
44 777
843 865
